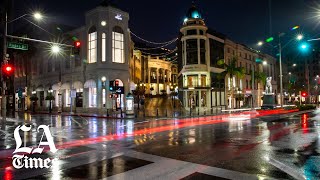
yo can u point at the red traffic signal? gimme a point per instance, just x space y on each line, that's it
116 83
8 69
304 94
77 44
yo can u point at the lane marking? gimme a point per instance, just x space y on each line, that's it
287 169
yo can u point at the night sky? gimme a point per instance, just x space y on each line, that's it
244 21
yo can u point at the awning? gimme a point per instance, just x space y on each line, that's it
55 87
40 88
90 84
77 85
65 86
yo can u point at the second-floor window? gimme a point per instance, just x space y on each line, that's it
92 45
117 45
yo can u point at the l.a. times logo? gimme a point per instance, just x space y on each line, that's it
20 157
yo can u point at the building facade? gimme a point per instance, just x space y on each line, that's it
83 80
156 73
200 83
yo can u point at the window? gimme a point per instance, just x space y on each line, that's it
117 45
67 98
193 81
203 80
192 51
202 52
192 32
201 32
103 47
92 45
92 97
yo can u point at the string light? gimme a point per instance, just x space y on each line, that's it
158 46
151 42
161 54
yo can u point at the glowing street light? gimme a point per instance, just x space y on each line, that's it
299 37
264 63
55 49
37 16
260 43
294 65
289 73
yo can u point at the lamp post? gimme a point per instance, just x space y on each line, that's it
36 16
34 101
103 80
299 37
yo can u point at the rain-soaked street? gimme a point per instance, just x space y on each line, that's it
230 146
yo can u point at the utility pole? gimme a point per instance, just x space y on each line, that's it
280 65
5 61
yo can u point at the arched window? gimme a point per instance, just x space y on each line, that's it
92 45
117 45
103 47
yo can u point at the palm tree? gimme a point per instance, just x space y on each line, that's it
260 77
232 70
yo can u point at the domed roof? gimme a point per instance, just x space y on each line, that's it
193 12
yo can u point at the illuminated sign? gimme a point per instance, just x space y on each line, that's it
119 17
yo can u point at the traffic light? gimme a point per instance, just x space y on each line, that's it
111 85
77 46
116 83
7 70
110 96
304 94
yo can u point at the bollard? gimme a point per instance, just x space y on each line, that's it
144 113
107 112
204 113
198 111
166 113
157 112
121 113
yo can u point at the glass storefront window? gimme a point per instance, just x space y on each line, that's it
92 97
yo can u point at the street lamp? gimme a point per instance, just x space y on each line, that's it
299 37
260 43
5 57
37 16
55 49
303 46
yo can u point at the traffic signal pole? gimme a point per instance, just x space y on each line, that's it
4 83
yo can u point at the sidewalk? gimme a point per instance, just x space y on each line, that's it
142 114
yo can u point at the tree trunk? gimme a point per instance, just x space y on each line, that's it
231 94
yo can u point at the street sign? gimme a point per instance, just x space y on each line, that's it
120 90
20 46
73 93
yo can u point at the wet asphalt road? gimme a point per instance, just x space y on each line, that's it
242 146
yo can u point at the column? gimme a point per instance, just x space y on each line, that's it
99 94
157 70
149 79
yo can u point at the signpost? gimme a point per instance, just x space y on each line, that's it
20 46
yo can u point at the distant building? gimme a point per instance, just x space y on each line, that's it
200 83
